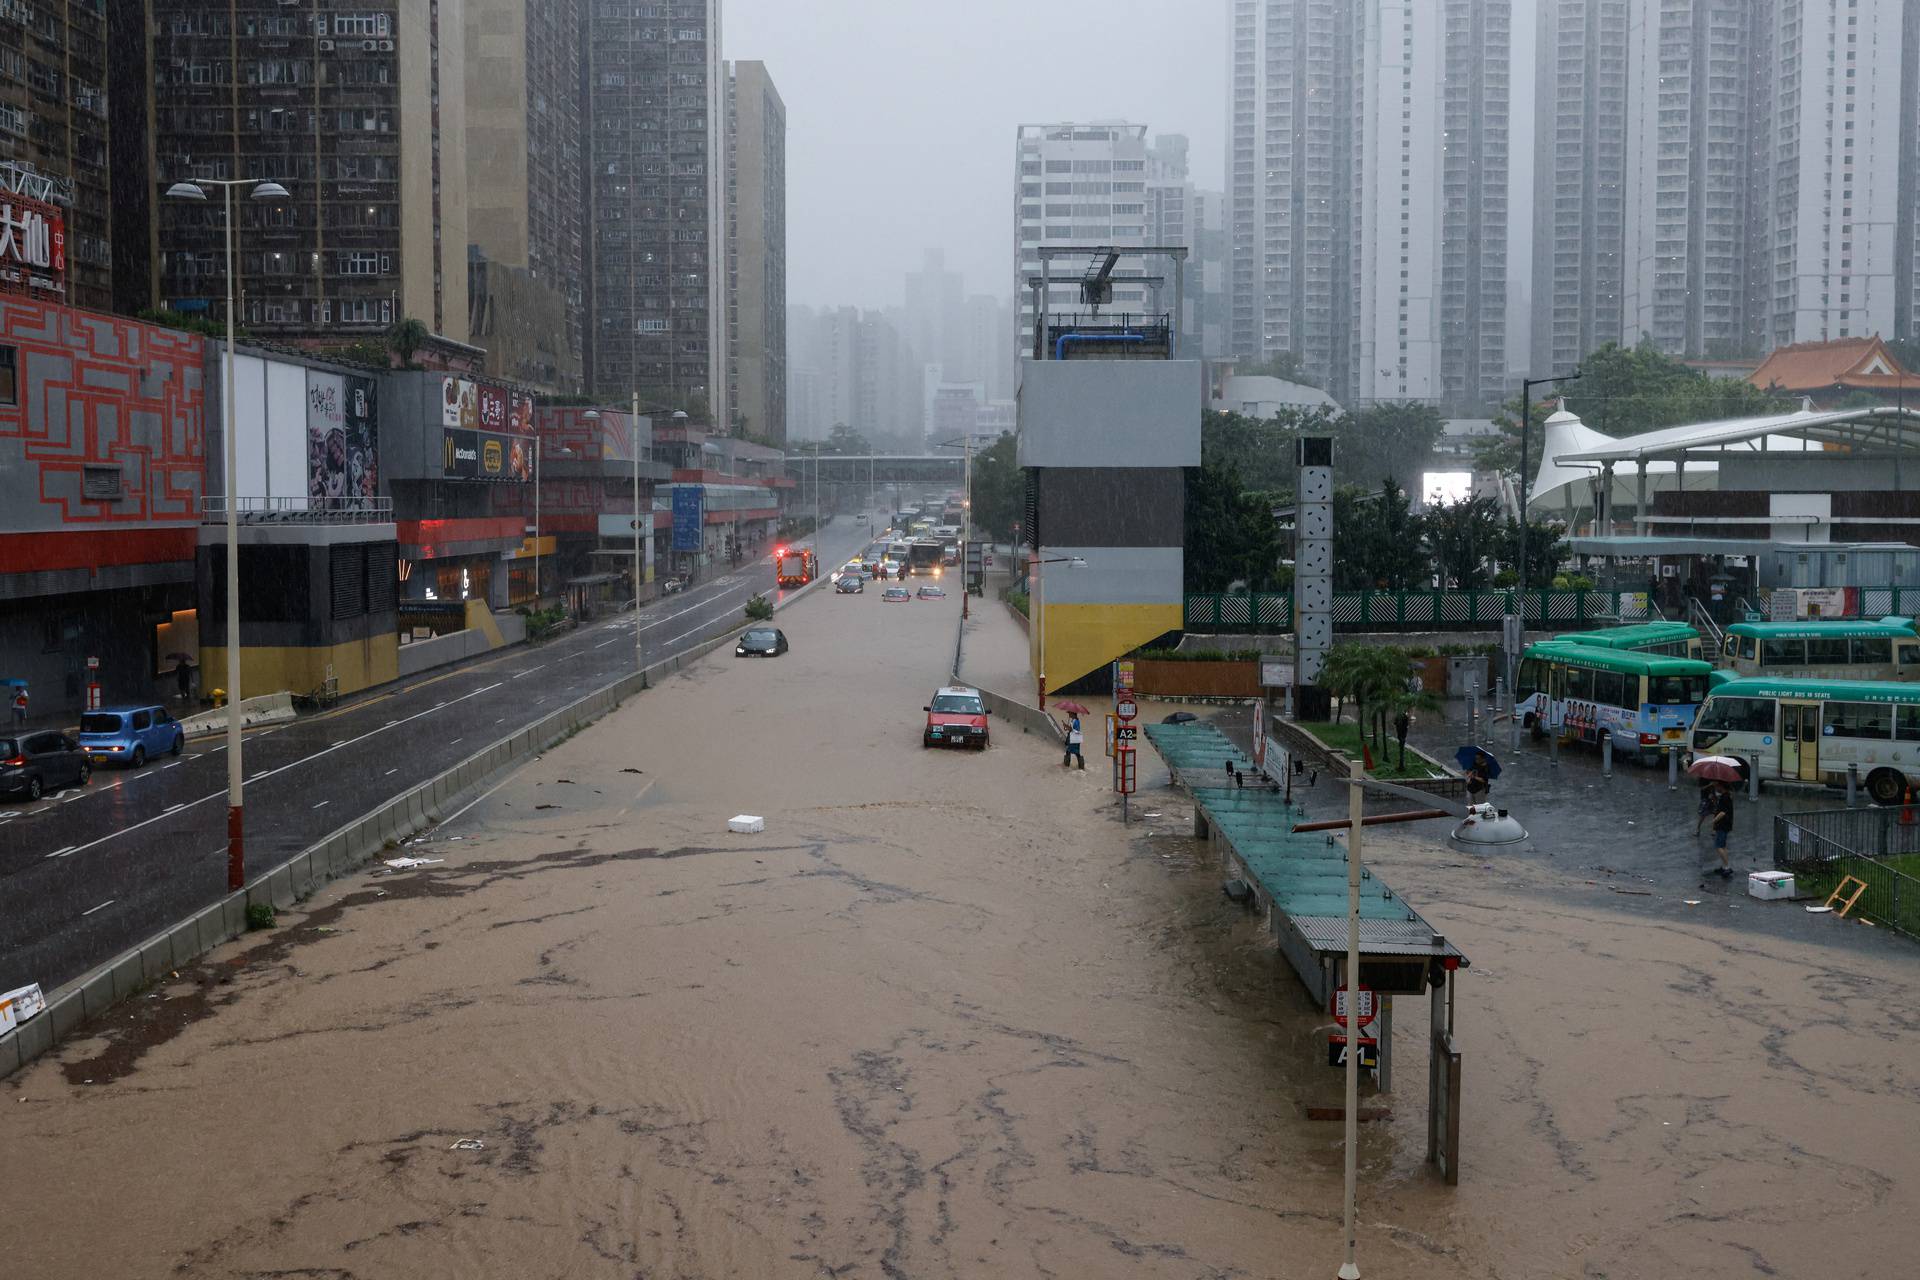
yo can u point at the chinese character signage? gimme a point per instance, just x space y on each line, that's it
33 247
689 513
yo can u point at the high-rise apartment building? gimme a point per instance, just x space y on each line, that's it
358 108
1579 189
1691 153
1078 184
53 147
757 252
525 187
1771 172
657 103
1291 155
1367 176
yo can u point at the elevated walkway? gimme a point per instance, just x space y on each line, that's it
1300 880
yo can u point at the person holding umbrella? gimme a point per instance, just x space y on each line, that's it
1074 736
1481 769
1719 771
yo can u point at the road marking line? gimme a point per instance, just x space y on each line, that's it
78 795
529 671
323 804
61 853
173 765
389 773
448 820
461 738
389 724
90 910
604 643
215 795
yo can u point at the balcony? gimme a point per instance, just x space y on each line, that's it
298 511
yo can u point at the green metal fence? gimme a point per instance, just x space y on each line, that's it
1404 610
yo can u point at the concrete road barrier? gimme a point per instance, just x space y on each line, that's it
268 708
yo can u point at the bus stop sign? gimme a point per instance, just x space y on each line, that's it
1368 1006
1125 707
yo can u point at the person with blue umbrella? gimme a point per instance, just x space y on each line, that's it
1481 769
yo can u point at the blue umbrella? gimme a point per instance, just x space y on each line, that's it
1467 755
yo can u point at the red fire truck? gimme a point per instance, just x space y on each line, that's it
795 566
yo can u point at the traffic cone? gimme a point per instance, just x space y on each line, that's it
1906 808
1366 755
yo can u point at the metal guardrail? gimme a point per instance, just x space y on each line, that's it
299 511
1409 610
1822 846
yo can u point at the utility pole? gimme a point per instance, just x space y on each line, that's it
1520 571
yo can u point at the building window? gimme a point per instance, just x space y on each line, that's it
100 483
9 375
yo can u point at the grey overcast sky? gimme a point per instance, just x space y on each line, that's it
901 118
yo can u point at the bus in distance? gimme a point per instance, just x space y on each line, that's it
1674 639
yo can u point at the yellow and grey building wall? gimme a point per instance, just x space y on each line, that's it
1105 443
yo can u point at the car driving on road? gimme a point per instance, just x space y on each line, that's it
34 764
933 593
761 642
955 717
129 735
851 584
892 594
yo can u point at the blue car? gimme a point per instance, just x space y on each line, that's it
129 735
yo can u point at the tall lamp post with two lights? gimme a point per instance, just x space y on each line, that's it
236 819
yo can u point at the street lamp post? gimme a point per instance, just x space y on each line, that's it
1520 571
1036 604
236 815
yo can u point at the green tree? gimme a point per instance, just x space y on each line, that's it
1547 549
999 489
844 439
406 337
1261 449
1231 535
1386 441
1464 537
1377 541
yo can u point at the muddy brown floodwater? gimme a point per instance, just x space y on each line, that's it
943 1018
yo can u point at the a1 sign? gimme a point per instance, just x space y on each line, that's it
1369 1052
1126 708
1368 1006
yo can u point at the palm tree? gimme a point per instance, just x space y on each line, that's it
407 337
1340 674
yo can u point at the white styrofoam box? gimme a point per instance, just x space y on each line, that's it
18 1005
1770 884
746 823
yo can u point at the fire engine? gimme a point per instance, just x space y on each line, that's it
795 566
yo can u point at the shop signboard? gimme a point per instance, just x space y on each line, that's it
689 515
33 247
487 455
342 458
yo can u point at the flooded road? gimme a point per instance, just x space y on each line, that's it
944 1017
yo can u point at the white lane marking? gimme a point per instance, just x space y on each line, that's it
461 738
173 764
175 808
501 720
339 744
61 853
529 671
215 795
196 755
448 820
78 795
389 724
389 773
90 910
323 804
604 643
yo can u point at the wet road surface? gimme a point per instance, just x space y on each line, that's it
92 871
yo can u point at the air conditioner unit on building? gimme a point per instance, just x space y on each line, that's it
326 46
370 45
386 46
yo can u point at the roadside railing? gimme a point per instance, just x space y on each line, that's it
302 511
1414 610
1878 846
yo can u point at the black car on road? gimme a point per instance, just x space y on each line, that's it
851 584
761 642
34 764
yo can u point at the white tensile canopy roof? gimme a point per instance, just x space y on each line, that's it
1574 454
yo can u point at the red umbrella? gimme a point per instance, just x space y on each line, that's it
1719 768
1071 708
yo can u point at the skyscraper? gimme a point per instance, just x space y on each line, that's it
656 100
1579 185
526 186
1367 173
1078 184
360 114
757 251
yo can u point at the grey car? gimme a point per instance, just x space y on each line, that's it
34 764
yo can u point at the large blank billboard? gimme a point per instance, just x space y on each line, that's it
270 430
